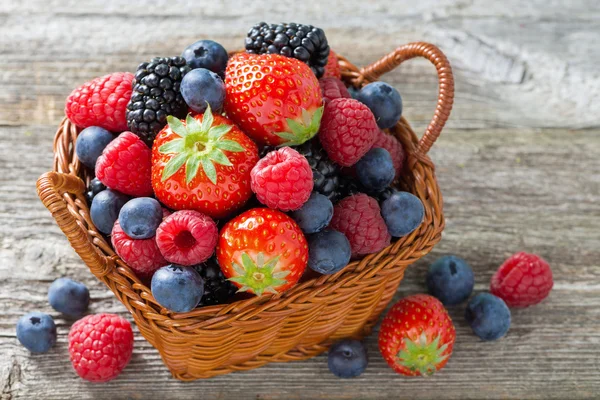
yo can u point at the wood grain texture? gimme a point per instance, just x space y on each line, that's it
516 173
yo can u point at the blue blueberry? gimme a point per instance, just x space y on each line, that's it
37 332
384 101
488 316
140 217
177 288
403 212
328 252
315 214
201 86
353 92
105 209
90 143
347 359
206 54
375 170
69 297
450 279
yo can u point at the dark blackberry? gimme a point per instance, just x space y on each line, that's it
303 42
217 289
155 96
325 172
348 186
384 194
93 189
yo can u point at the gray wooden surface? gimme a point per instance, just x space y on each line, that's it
518 166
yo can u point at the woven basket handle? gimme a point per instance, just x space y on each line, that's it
446 84
51 187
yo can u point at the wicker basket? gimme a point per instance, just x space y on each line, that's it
295 325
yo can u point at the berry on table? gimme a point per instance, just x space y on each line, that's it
348 130
187 237
177 288
394 147
333 67
93 189
303 42
206 54
36 331
488 316
328 252
125 166
140 217
325 171
315 214
523 280
101 102
450 279
69 297
100 346
141 255
358 217
90 143
200 87
333 88
217 289
347 358
282 179
403 212
384 101
375 170
105 208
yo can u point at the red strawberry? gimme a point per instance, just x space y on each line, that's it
417 336
203 164
274 99
262 251
333 66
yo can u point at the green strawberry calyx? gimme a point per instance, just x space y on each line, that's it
198 145
301 131
421 355
258 275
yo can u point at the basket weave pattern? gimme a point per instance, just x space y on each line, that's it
295 325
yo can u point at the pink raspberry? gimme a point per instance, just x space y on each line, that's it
125 166
333 88
523 280
187 237
348 130
101 102
100 346
359 218
394 147
332 68
283 179
141 255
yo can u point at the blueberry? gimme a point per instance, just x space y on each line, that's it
403 212
450 279
90 143
177 288
37 332
105 209
375 170
488 316
384 101
69 297
201 86
206 54
315 214
328 252
347 359
139 218
353 92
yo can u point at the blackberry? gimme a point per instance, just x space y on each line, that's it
303 42
349 186
217 289
155 96
326 174
93 189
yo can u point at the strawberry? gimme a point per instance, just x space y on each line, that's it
203 164
416 336
262 251
274 99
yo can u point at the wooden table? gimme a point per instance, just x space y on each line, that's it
518 165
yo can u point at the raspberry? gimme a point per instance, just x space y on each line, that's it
333 67
142 255
125 166
333 88
100 346
523 280
358 217
348 130
283 179
187 237
101 102
394 147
